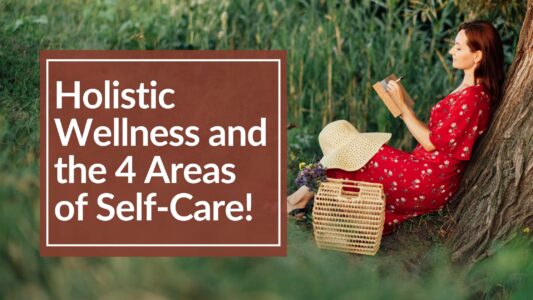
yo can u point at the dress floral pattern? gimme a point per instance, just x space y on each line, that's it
422 181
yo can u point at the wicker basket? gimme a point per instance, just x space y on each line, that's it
349 216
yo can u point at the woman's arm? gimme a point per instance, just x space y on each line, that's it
418 129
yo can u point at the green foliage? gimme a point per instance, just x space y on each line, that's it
336 51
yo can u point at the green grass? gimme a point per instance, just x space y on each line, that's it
335 53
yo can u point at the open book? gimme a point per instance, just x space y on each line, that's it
380 88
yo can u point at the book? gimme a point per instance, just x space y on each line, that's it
380 88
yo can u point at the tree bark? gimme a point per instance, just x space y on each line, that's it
495 198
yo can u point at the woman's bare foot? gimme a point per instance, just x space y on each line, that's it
297 201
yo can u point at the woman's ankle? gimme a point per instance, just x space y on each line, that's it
300 197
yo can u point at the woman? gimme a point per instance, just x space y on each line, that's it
422 181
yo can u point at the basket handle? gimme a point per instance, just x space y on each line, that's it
346 187
350 185
354 182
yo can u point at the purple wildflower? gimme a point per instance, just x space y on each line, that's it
311 176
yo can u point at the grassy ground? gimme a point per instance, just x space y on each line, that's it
335 53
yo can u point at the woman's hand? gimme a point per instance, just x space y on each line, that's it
396 93
418 129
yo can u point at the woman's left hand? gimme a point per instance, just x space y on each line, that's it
396 93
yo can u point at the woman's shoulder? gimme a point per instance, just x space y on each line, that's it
473 94
473 91
477 89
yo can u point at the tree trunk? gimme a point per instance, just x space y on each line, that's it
495 198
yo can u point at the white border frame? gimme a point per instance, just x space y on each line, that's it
278 244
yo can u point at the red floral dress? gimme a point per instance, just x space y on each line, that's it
421 182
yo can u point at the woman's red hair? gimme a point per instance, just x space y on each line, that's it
481 35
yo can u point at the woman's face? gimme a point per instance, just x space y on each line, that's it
462 57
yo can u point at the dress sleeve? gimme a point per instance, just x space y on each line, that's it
456 132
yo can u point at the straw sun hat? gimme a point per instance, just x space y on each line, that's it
346 148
